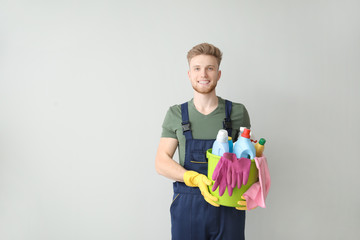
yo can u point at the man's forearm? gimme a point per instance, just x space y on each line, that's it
169 168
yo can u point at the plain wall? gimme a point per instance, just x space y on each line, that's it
85 85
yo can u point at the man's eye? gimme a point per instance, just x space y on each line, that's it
197 69
210 68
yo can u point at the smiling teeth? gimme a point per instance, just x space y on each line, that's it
203 82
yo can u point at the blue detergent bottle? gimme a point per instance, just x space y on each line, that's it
221 144
243 146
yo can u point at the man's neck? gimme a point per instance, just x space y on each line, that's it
205 103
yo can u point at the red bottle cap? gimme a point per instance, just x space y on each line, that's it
246 133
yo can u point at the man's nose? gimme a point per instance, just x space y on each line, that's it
203 73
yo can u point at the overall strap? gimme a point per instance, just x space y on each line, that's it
185 121
227 121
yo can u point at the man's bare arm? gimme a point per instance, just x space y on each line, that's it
164 163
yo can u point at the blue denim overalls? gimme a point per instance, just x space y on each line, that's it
192 218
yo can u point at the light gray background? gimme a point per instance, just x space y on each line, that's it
85 85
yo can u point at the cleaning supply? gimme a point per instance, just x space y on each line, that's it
231 172
220 173
195 179
253 138
243 148
226 199
238 173
231 145
257 193
221 144
259 147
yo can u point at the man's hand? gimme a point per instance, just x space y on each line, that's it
194 179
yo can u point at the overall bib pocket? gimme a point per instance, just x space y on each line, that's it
198 157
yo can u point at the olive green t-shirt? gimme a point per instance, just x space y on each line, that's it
202 126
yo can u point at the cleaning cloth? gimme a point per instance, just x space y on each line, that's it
257 193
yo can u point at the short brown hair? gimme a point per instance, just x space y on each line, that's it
205 49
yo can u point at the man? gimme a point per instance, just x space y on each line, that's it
193 126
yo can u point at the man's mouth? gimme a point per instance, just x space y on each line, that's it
204 82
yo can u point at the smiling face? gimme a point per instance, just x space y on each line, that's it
204 73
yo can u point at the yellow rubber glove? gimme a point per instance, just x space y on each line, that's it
194 179
243 205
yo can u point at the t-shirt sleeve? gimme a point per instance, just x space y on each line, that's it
246 119
240 116
168 130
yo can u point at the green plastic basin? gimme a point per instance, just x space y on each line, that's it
225 199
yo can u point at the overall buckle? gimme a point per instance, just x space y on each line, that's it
227 124
185 126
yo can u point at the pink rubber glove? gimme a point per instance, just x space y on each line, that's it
231 157
219 174
238 173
